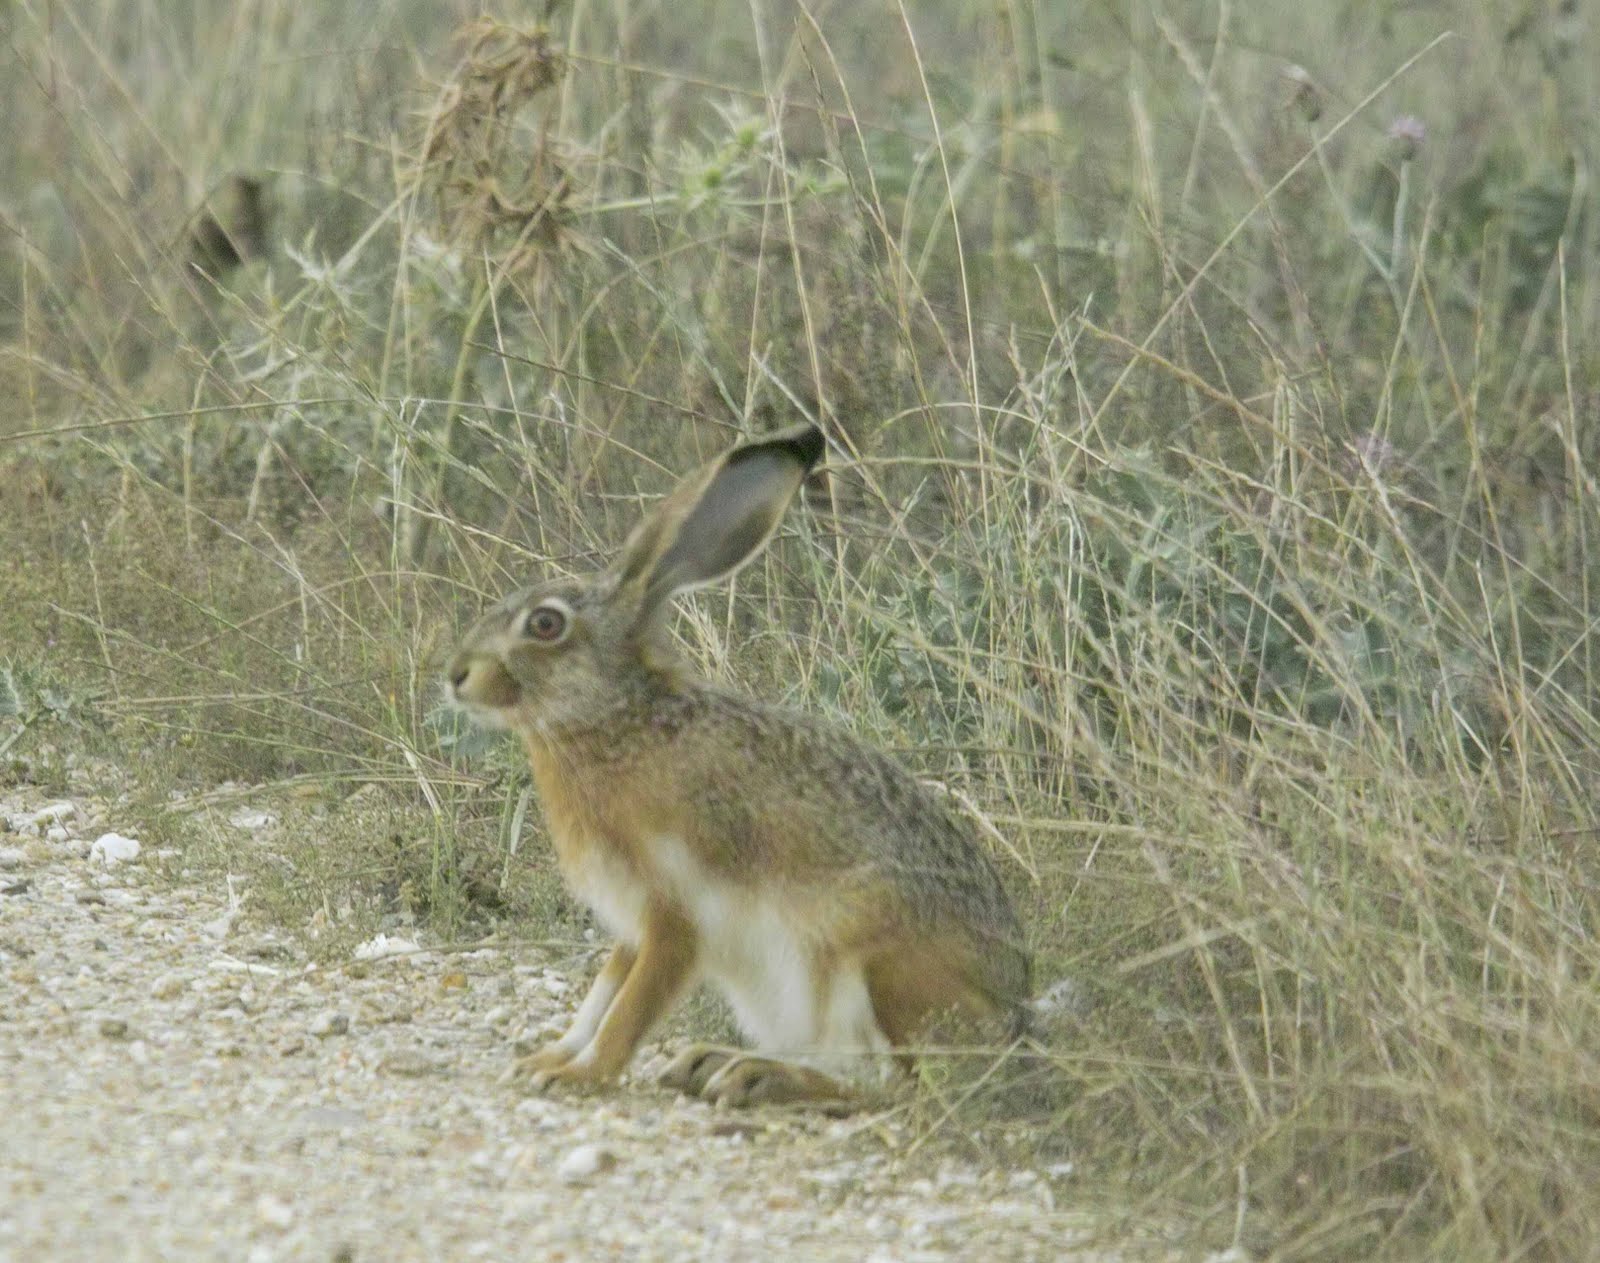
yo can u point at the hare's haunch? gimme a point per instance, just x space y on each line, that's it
833 900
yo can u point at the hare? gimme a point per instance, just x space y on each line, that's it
833 901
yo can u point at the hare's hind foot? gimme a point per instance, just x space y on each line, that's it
740 1079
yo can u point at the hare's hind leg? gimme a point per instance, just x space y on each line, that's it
843 1031
866 1012
734 1077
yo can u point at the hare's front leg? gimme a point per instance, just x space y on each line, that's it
585 1022
632 993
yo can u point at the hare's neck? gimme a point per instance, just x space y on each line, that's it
639 719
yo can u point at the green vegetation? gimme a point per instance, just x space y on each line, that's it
1216 407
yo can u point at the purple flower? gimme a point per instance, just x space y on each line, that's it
1407 133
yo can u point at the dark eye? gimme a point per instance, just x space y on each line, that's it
545 622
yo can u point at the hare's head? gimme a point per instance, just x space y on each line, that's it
567 653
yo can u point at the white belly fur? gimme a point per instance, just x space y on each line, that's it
751 950
761 961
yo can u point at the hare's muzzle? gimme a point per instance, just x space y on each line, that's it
480 681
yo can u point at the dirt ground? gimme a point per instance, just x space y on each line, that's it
177 1085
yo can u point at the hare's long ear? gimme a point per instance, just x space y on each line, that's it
717 519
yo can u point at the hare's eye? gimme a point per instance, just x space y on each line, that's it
545 622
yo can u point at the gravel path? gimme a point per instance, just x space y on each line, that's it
175 1086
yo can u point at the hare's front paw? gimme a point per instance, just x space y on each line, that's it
577 1073
555 1064
529 1071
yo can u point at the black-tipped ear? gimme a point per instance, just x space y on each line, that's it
719 518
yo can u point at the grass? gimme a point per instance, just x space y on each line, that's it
1212 505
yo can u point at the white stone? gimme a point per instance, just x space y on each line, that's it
381 945
585 1162
112 849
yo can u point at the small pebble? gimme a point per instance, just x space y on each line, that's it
584 1163
327 1024
411 1064
274 1212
